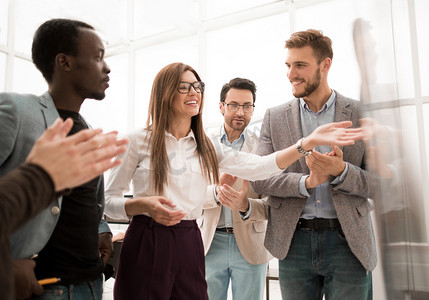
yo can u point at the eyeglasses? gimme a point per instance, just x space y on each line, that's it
185 87
233 107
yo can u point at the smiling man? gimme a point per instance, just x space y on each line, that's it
71 241
319 224
233 229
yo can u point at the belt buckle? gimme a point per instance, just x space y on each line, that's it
229 230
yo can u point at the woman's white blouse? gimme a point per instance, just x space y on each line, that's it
186 185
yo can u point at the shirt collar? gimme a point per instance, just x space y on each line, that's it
189 135
326 106
223 135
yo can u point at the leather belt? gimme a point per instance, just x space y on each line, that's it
226 229
318 223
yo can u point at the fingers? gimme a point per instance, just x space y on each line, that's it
84 135
166 216
227 179
245 186
337 151
59 129
52 130
65 128
343 124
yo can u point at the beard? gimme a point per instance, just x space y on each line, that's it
310 86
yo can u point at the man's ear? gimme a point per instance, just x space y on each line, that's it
221 108
62 62
327 62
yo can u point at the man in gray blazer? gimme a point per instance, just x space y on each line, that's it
319 224
70 56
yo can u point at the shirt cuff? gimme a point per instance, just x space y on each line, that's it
302 189
214 194
246 215
340 179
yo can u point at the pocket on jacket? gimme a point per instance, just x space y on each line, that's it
364 208
260 226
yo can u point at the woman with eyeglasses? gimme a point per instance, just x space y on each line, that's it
170 163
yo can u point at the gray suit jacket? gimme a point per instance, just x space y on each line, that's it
281 128
23 119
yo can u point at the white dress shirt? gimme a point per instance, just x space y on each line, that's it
186 185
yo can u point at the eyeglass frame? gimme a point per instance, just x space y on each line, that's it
238 107
192 84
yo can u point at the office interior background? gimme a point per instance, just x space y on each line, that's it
380 57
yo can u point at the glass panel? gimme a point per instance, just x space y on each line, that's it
112 112
404 63
422 24
150 61
224 7
107 16
426 128
2 71
342 41
26 78
251 50
3 21
412 171
151 17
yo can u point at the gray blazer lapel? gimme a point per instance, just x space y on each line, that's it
49 111
342 110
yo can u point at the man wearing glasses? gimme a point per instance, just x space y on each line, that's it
233 225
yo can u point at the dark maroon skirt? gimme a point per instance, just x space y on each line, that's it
161 262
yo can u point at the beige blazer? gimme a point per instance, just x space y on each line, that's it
249 234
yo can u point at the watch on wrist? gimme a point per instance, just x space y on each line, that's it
301 150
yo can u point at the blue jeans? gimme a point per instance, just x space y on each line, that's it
224 262
319 263
91 290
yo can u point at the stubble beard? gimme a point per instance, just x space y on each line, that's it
310 87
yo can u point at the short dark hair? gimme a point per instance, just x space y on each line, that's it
51 38
238 83
321 44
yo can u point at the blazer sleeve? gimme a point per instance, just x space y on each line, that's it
259 209
283 185
9 120
24 192
356 182
210 200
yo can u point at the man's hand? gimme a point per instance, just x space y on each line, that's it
25 280
235 200
227 179
327 164
335 133
105 246
315 179
76 159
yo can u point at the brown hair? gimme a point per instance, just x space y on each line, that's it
238 83
164 89
321 44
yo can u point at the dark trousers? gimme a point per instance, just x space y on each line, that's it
161 262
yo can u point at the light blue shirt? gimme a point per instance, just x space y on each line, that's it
225 219
319 200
